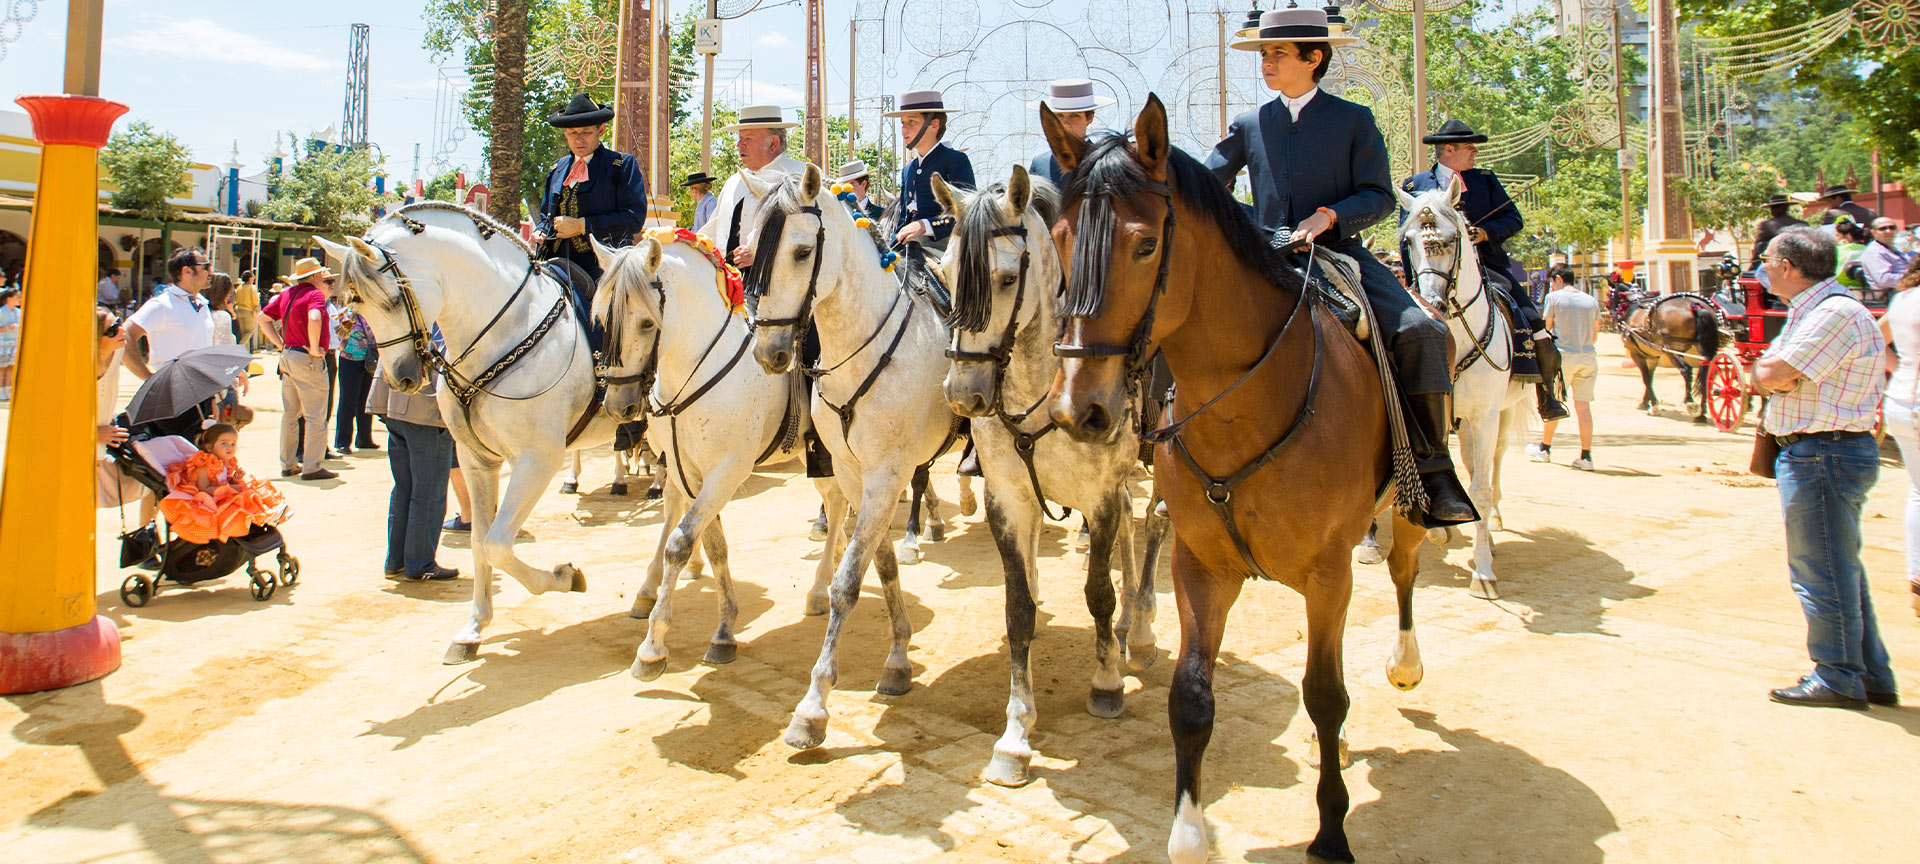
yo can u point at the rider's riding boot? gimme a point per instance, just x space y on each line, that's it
819 461
1547 354
1447 501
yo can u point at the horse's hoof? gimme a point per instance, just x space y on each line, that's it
816 604
1495 523
1106 704
1328 853
894 682
1140 657
1653 410
806 733
936 530
642 607
618 489
818 532
648 670
909 554
570 578
654 493
1484 588
1370 555
1440 536
1313 750
569 488
1008 769
968 504
722 652
461 652
695 569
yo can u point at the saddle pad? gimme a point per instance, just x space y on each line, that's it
1526 366
1342 273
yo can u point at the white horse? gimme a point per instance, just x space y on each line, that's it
1486 398
877 403
518 384
712 417
1006 274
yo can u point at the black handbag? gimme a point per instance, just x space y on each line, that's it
138 545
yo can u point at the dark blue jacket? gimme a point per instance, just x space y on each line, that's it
613 200
916 188
1044 165
1486 207
1333 157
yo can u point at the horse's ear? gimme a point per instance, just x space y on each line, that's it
654 252
1456 189
1068 149
1019 193
944 194
1150 138
810 183
360 248
1407 199
601 253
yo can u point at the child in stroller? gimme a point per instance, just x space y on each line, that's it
227 542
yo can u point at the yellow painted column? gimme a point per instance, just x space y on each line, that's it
50 635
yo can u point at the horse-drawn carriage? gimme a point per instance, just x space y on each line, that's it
1756 319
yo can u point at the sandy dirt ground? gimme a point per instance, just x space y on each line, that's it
1612 707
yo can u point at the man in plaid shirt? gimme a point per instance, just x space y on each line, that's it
1824 374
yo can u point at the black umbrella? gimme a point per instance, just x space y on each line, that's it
184 382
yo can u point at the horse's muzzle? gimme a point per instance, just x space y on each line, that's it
773 349
1089 399
625 402
970 393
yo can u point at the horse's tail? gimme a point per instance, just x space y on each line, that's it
1706 332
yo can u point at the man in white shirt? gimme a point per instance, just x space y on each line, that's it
107 293
761 139
176 320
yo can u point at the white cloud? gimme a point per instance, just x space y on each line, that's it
203 40
774 39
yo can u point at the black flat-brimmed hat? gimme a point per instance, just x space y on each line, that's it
1455 132
1838 190
696 178
580 111
1291 25
1778 199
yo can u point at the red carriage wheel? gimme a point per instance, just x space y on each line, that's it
1726 395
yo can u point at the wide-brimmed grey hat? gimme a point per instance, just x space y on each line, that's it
921 102
1071 94
853 171
759 117
1292 25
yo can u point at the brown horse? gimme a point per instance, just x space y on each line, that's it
1279 459
1681 330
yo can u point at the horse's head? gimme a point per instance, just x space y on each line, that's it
399 309
797 261
1004 274
1116 221
629 305
1435 237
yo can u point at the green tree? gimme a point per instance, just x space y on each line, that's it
330 188
1579 207
1732 199
1807 136
149 166
442 187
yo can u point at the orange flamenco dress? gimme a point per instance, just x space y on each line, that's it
236 504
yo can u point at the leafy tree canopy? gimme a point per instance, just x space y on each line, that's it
149 166
331 188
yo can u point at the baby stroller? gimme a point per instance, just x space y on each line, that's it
145 456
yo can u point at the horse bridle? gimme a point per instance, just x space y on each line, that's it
813 280
1136 348
1428 221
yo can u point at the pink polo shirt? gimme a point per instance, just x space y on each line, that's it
293 308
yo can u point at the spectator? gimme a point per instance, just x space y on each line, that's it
1850 239
246 311
176 320
1881 264
112 486
9 339
219 297
107 293
419 453
1840 204
700 187
296 322
1901 328
1824 375
1574 318
352 425
1778 219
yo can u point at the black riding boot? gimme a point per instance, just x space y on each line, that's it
1447 501
819 461
1547 354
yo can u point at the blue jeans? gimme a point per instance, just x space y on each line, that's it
1823 486
420 457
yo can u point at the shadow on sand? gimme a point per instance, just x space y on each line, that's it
1560 579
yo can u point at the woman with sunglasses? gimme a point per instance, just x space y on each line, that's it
113 487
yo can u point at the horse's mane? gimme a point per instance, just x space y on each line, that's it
480 220
1109 166
980 215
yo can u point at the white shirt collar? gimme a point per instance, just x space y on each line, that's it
1295 104
1443 174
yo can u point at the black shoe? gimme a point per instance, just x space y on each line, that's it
1814 694
319 474
152 563
436 573
393 572
367 446
289 472
337 450
456 525
1886 700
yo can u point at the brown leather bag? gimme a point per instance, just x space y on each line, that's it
1766 448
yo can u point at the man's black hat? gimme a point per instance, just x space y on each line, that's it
1838 190
698 177
582 111
1778 199
1455 132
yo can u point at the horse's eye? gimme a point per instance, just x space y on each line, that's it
1007 281
801 253
1145 247
645 325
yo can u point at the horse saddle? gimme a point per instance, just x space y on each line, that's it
920 277
1331 277
579 286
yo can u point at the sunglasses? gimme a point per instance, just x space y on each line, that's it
1766 258
1888 228
112 330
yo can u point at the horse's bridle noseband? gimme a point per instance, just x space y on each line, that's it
1136 348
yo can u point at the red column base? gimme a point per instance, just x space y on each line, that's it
30 662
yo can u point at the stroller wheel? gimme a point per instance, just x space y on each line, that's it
262 585
136 591
289 569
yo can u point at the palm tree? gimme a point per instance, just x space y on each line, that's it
508 135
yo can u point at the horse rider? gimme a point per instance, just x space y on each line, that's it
1072 101
856 174
1839 200
1492 217
1318 167
699 186
592 190
760 137
1777 221
918 218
